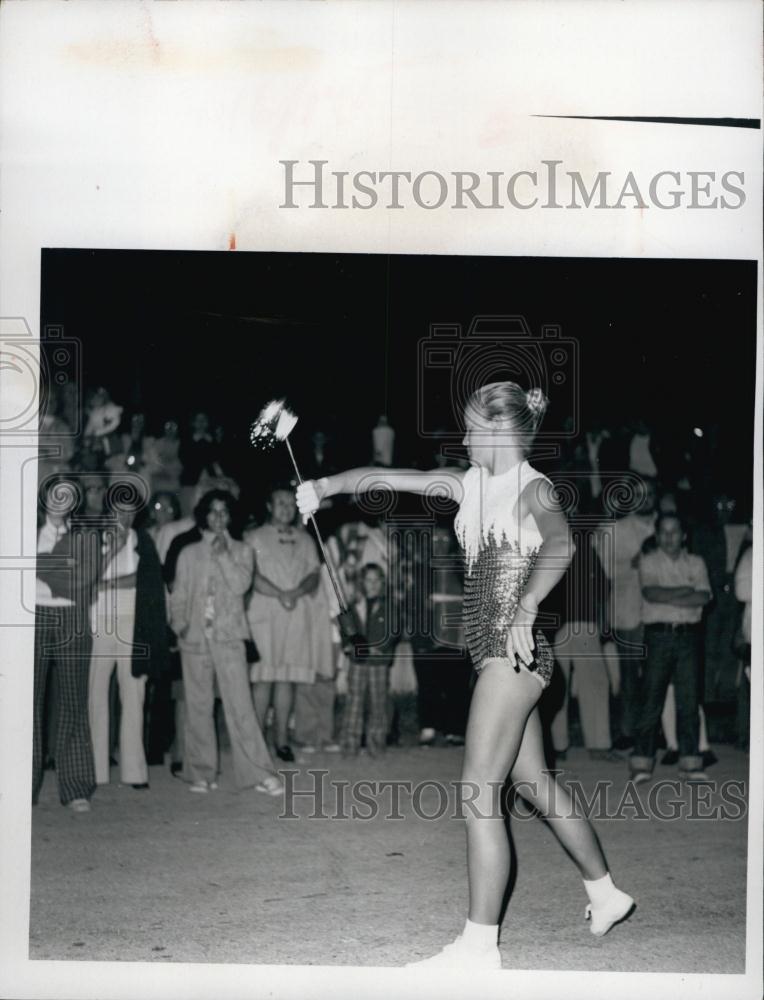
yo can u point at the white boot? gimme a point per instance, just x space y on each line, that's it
607 906
476 949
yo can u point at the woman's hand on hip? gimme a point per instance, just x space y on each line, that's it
521 632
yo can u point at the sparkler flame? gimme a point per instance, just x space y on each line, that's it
274 424
285 424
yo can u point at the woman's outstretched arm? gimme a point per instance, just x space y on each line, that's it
436 482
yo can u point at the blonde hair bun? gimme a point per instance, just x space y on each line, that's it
536 402
507 401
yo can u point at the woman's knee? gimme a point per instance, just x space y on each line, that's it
480 799
262 690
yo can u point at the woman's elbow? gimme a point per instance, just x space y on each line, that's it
559 548
567 547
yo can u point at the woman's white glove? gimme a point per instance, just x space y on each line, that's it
309 497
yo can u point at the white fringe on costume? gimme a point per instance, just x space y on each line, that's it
489 510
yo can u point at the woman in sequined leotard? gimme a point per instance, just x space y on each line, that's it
517 547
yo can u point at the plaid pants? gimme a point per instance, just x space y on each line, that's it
63 635
314 712
363 679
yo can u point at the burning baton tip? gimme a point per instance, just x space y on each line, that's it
275 423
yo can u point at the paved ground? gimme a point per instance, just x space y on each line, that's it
168 876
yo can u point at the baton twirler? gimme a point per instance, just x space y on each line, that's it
276 423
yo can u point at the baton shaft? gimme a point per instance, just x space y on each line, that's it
327 560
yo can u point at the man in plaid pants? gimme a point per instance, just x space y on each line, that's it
69 560
369 669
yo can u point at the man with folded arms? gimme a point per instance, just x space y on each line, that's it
675 588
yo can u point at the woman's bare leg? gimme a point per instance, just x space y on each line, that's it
501 703
283 702
608 905
262 691
565 818
503 737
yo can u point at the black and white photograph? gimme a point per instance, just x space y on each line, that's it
307 715
383 604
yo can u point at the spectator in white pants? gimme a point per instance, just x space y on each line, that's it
113 628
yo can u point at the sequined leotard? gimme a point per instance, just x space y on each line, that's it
500 552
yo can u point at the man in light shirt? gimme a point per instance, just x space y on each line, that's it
675 589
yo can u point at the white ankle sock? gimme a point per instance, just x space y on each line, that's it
599 889
480 936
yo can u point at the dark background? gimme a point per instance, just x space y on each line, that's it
338 335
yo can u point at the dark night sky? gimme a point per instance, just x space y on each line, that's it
339 335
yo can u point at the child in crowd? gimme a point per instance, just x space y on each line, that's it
369 670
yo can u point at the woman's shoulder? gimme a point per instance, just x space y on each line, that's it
530 483
240 545
529 474
472 477
264 530
192 549
188 556
254 535
305 540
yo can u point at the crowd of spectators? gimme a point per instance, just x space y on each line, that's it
220 622
664 590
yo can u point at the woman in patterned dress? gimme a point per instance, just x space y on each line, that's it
517 546
287 572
